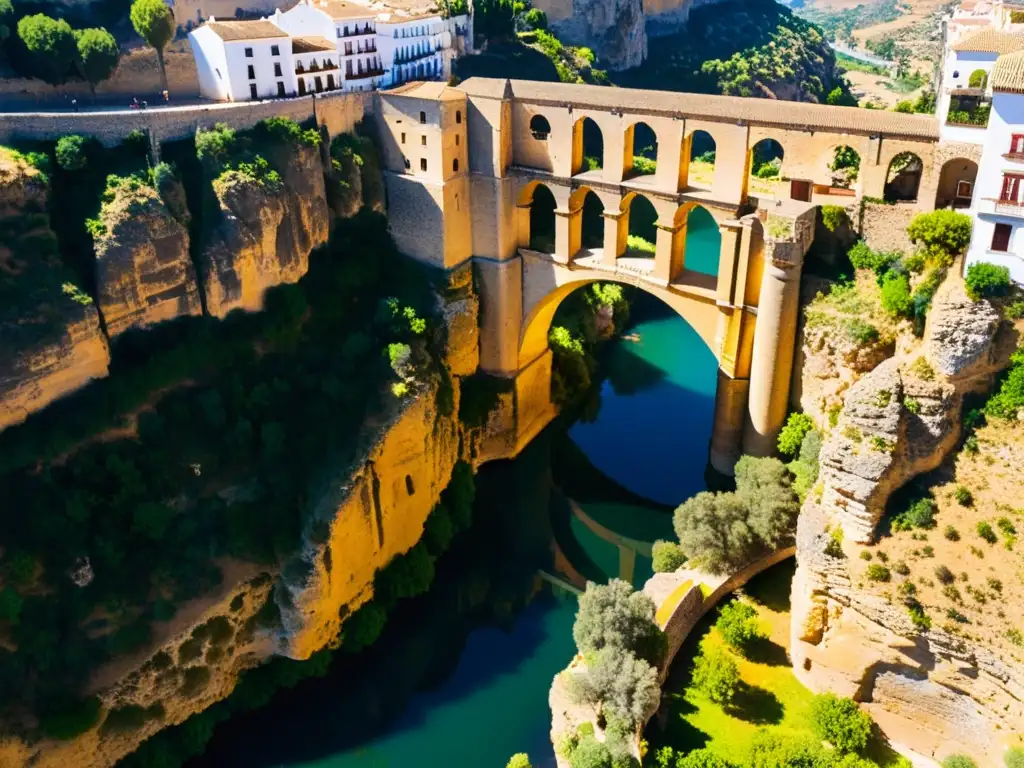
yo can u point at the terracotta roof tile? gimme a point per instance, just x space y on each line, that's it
338 10
795 115
1008 73
991 41
311 43
245 30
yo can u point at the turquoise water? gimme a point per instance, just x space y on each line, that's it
703 242
650 435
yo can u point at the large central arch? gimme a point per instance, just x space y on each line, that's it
546 285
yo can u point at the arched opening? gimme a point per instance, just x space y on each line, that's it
956 183
765 168
537 218
903 178
587 146
641 232
703 240
700 168
592 222
540 127
641 151
843 167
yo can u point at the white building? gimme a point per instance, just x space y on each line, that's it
324 45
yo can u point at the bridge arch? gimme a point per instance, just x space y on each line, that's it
700 250
903 178
588 146
535 216
841 165
956 183
641 150
765 159
700 155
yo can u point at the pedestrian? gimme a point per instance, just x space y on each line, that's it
167 96
74 104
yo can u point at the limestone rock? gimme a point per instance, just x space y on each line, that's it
144 273
960 332
614 29
461 309
265 233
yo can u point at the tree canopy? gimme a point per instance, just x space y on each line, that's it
51 47
98 54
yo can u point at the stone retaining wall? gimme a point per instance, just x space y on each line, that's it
338 112
884 226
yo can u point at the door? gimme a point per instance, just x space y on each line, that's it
330 82
302 86
800 189
318 83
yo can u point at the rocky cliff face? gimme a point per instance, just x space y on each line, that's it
265 233
928 689
614 29
50 337
144 272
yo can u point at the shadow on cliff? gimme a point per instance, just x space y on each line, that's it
508 58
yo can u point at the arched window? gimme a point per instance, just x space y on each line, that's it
423 117
540 127
458 116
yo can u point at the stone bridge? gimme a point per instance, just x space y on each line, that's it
542 185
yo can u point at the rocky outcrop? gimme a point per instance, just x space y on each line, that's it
266 231
930 690
613 29
144 272
50 337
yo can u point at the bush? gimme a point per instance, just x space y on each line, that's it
944 234
715 674
896 298
984 280
963 496
944 575
536 18
520 760
985 531
667 557
959 761
739 625
1009 401
1014 757
792 435
69 722
840 722
863 257
951 533
70 152
920 514
591 753
700 758
877 572
286 131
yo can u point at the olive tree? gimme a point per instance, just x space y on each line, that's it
614 615
154 22
97 55
840 722
618 684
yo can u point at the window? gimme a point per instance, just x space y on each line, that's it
346 29
252 72
338 31
458 116
1011 188
280 88
1001 238
403 138
423 141
248 53
423 117
330 82
963 189
277 70
1017 144
455 165
252 90
423 163
456 139
956 75
540 127
275 50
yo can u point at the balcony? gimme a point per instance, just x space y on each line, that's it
415 57
1004 207
359 51
366 74
968 112
367 30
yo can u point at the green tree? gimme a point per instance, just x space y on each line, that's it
713 531
619 685
896 297
520 760
50 44
536 18
792 435
701 758
70 152
154 22
715 674
1014 757
840 722
666 556
591 753
905 106
943 234
613 615
984 280
840 97
98 54
739 625
764 486
362 628
6 19
959 761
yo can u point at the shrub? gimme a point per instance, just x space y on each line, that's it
918 617
866 555
715 674
701 758
959 761
833 217
944 234
984 280
667 557
944 575
739 625
834 545
985 531
69 722
70 152
951 533
840 721
362 628
863 257
963 496
920 514
1014 757
792 435
520 760
1009 401
877 572
536 18
901 568
912 404
896 299
591 753
1005 525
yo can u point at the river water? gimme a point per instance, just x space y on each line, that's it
473 661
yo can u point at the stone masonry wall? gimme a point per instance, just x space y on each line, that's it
884 227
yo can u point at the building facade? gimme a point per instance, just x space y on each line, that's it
324 45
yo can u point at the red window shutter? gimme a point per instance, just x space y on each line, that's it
1007 183
1001 237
